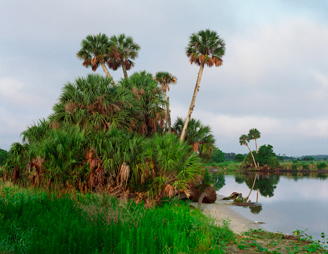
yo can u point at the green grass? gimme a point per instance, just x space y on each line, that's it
33 221
226 165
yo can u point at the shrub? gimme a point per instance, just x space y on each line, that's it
321 165
3 157
239 157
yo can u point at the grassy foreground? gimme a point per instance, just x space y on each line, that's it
34 221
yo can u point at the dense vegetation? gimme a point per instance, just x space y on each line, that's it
104 137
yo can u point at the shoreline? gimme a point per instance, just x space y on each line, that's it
221 211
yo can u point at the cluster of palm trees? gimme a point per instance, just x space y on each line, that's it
117 137
116 51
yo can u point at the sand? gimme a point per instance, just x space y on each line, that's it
221 210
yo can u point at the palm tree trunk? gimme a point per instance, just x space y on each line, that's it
251 154
255 144
124 71
192 104
168 114
105 70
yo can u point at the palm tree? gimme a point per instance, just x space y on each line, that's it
254 134
121 53
205 47
243 140
199 136
148 111
94 104
165 79
94 50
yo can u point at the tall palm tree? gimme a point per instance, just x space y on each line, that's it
93 52
243 140
254 134
205 47
121 53
165 79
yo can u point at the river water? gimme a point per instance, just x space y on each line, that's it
287 202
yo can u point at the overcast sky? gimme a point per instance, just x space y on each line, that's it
274 76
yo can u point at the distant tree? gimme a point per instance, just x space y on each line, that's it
239 157
204 48
3 157
229 156
94 51
266 156
165 79
254 134
243 140
218 156
307 158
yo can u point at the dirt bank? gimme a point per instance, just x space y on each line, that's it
221 210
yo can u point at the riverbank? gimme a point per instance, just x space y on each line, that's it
250 236
221 212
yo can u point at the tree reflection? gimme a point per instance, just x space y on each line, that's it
265 184
218 181
255 209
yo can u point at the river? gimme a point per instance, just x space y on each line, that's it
287 202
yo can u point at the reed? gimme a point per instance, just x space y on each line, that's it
33 221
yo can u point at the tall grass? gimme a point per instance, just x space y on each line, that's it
38 222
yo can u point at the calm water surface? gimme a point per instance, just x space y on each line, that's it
287 202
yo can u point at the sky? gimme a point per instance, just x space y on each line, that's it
274 75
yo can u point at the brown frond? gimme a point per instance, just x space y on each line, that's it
169 190
135 91
195 146
54 125
94 68
209 61
201 59
123 174
141 91
218 62
70 107
127 65
86 62
94 62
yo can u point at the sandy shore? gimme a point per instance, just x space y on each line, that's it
221 210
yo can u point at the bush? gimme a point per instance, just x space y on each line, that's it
3 157
321 165
239 157
265 157
218 156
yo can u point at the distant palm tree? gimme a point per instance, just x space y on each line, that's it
121 53
165 79
243 140
254 134
205 47
199 136
93 52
